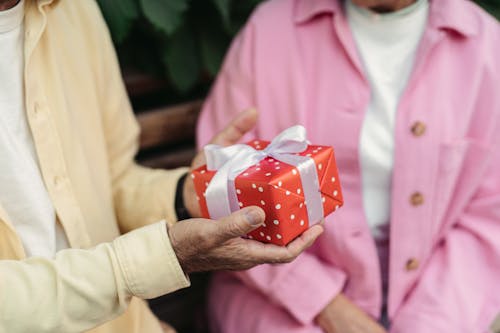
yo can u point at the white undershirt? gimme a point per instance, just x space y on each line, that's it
387 45
22 192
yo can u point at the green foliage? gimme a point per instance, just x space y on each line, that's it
183 41
120 14
166 15
181 58
493 6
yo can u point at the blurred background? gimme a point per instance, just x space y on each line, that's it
170 51
182 41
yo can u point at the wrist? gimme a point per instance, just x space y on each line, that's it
180 208
189 198
174 243
331 310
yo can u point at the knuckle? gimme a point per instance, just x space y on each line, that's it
206 242
202 240
235 229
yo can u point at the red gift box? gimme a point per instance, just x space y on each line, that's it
277 188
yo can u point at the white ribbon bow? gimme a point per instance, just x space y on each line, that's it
230 161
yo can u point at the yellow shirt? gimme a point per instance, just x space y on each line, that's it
86 138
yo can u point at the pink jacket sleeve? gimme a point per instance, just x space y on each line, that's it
459 290
307 285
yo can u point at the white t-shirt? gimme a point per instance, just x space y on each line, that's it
22 192
387 44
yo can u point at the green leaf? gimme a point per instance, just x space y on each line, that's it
224 10
165 15
493 6
213 45
119 15
240 12
181 59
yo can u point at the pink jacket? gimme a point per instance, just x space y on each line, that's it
297 63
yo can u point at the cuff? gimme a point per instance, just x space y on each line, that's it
180 209
421 322
308 288
148 262
174 177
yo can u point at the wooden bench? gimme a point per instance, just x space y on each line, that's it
167 135
167 128
168 141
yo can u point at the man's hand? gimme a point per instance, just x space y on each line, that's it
342 316
205 245
230 135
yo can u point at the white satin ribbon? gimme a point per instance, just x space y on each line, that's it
230 161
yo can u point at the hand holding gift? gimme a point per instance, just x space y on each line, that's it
202 244
296 184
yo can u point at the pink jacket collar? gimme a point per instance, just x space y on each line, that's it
450 15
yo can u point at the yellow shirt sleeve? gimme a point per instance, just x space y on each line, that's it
141 195
80 289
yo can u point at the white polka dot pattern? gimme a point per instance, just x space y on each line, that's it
276 187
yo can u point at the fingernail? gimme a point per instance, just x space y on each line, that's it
253 217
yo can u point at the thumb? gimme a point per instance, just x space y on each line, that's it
241 124
240 223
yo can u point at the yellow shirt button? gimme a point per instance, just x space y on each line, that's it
37 109
58 181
